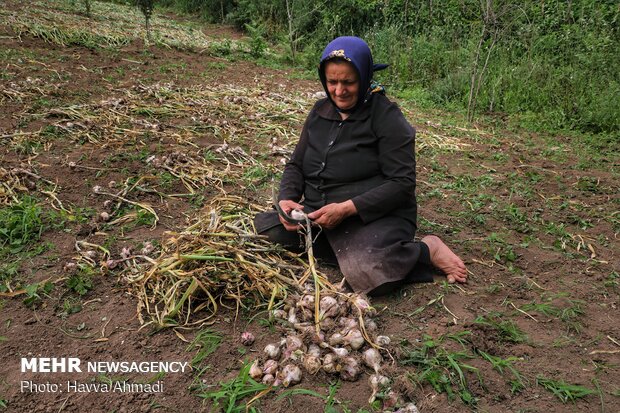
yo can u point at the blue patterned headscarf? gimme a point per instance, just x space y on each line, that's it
355 51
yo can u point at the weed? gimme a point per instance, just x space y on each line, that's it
20 224
499 364
34 292
562 390
70 306
8 271
517 218
258 176
81 281
494 288
441 368
508 331
611 282
206 342
231 396
588 184
567 314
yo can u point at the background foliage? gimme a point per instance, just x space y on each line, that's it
552 64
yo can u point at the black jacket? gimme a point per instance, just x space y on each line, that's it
368 158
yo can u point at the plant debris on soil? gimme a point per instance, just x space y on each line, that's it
129 174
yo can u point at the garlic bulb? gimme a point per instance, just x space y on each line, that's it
270 367
294 343
370 325
336 339
377 383
268 379
327 323
340 351
347 324
391 400
408 408
383 341
294 348
290 374
314 350
272 351
91 254
292 316
298 215
328 307
329 363
372 358
350 369
312 364
354 339
247 338
255 371
278 314
306 301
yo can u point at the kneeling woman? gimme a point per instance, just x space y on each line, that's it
353 173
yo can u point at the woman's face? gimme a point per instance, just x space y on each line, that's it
342 84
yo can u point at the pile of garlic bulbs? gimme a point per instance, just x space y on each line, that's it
339 347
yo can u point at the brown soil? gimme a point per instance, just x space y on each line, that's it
108 329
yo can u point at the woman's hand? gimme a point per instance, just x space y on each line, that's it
332 214
287 206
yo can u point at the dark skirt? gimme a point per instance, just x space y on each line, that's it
374 258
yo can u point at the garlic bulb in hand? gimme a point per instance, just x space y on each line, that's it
298 215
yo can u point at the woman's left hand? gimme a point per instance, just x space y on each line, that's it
331 215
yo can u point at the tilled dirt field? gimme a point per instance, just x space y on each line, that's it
535 218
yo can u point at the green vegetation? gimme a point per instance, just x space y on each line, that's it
205 343
232 396
442 368
20 224
507 329
549 64
562 390
81 281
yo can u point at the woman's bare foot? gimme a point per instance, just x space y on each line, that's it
444 259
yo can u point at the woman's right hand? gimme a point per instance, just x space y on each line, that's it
287 206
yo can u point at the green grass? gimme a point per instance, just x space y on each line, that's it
507 330
564 391
81 281
21 224
570 313
518 382
233 396
442 368
205 343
